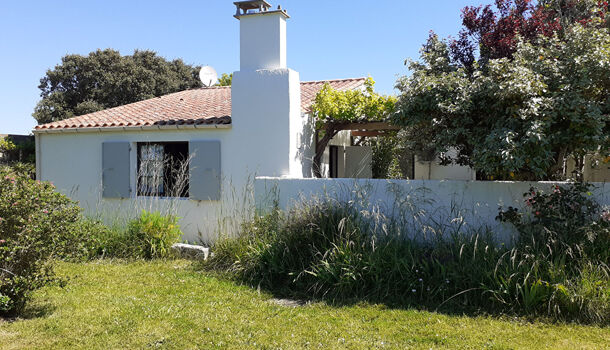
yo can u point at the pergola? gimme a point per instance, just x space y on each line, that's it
361 129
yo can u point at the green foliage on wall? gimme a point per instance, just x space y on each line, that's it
351 106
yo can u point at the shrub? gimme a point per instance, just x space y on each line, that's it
22 169
152 235
563 250
149 236
33 219
85 240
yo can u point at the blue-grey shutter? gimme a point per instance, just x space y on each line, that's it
205 175
115 169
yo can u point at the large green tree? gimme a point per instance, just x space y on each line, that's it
515 117
105 79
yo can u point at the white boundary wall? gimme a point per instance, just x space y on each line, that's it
474 204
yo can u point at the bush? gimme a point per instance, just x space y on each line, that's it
85 240
23 169
563 251
38 225
33 219
335 251
152 235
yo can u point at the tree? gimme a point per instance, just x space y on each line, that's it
334 110
105 79
519 117
225 79
494 34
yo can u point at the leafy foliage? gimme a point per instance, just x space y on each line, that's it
563 253
33 218
105 79
6 145
153 234
390 159
24 151
495 34
518 118
334 109
351 106
225 79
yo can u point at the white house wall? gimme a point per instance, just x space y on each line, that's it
425 170
73 162
343 138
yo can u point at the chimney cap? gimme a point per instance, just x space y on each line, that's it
242 8
252 4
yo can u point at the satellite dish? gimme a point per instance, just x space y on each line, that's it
208 76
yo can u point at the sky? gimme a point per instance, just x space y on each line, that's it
330 39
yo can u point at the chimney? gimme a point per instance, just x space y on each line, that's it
266 96
262 35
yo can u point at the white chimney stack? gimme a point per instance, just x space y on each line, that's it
266 96
262 35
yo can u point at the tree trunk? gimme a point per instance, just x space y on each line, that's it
559 163
330 130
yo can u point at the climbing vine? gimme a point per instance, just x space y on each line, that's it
336 110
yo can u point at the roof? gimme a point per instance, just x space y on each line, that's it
203 106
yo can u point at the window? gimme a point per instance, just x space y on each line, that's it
163 169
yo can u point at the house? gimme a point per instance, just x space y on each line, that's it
195 151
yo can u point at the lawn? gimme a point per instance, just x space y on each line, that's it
169 304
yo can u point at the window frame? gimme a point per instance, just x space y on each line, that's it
166 184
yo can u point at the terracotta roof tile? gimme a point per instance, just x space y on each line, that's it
197 106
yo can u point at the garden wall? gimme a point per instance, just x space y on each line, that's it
450 203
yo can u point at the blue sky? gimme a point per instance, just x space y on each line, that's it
326 39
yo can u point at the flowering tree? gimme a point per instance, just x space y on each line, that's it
518 117
495 33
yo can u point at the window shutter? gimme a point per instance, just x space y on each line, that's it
205 175
115 170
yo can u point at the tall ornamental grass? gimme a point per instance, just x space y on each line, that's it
337 251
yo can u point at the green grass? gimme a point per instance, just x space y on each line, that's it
169 304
